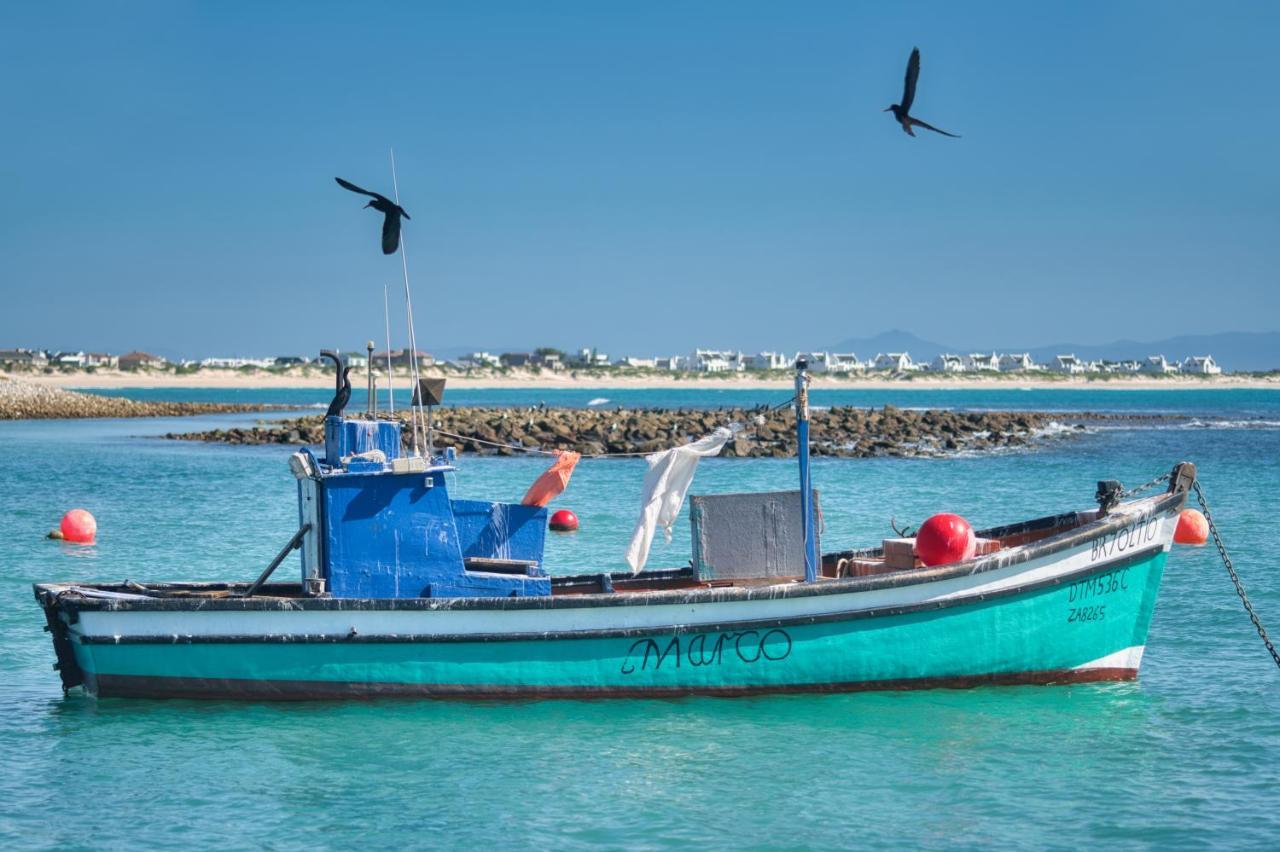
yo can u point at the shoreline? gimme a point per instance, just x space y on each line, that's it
265 380
28 401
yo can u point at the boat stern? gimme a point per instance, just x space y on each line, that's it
57 621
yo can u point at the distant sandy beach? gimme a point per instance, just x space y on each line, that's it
265 379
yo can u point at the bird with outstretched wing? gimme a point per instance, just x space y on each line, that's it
902 112
389 209
909 84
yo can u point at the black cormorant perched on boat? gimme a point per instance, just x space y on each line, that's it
902 111
342 397
388 208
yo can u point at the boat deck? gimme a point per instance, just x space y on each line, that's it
836 565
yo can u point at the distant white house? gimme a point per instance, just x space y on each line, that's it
1158 365
981 362
1068 364
549 360
1016 363
1201 365
84 359
588 357
844 362
675 362
817 361
717 361
947 363
769 361
141 361
237 363
23 358
475 360
399 358
632 361
897 362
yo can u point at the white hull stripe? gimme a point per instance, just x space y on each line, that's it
108 623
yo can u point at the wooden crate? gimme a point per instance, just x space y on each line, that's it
900 554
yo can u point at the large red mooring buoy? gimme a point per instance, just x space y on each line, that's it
1192 528
944 539
563 521
78 526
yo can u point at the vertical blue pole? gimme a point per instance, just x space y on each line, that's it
806 487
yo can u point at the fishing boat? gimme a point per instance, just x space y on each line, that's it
405 590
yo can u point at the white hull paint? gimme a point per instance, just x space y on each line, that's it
1128 658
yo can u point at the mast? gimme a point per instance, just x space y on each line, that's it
806 487
415 412
386 319
372 402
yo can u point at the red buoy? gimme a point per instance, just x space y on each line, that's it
1192 528
563 521
944 539
78 526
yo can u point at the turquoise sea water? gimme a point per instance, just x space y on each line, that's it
1189 755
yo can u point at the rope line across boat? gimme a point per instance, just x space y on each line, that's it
1235 578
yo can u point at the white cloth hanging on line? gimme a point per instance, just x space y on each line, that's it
669 476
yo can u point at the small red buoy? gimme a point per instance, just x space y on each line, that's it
1192 528
563 521
944 539
78 526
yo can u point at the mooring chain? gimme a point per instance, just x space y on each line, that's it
1146 486
1235 578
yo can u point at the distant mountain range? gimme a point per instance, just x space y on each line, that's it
1233 350
894 341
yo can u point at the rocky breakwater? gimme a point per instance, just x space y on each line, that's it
846 432
21 400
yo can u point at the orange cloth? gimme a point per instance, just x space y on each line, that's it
552 482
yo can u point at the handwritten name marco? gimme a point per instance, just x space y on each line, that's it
707 649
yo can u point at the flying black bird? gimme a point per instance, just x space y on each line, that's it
902 111
384 205
342 397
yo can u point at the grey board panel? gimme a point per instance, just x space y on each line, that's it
741 536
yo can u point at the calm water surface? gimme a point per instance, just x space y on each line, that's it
1187 756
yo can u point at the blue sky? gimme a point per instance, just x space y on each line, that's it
641 177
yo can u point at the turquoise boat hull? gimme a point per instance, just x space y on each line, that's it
1092 629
